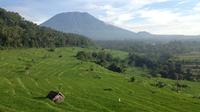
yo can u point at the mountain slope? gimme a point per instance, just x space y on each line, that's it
86 24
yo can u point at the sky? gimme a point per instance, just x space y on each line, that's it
154 16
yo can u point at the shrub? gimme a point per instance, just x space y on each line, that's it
51 49
196 97
115 68
97 76
182 85
107 89
132 79
159 84
27 68
83 55
102 58
91 68
178 87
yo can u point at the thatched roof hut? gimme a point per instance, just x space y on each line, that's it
57 97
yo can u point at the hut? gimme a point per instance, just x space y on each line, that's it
57 97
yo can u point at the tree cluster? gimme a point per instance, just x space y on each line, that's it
159 56
16 32
102 58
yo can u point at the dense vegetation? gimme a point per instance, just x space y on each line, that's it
190 63
17 32
27 75
160 58
104 59
153 46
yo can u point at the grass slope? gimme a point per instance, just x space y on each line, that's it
27 75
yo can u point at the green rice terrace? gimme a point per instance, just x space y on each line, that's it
27 75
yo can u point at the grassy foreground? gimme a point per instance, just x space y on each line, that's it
27 75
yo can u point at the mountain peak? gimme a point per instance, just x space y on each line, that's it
85 24
75 13
143 33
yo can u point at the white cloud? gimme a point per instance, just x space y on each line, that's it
182 2
167 22
163 17
113 15
142 3
197 8
123 13
157 21
29 14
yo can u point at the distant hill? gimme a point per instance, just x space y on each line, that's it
15 32
86 24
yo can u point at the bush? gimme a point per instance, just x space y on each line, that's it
159 84
83 55
115 68
51 49
196 97
178 87
101 58
182 85
97 76
27 68
2 48
132 79
107 89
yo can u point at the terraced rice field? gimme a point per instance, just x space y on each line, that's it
27 75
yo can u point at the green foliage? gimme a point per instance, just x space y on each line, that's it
182 85
141 61
177 86
51 49
114 67
17 32
102 58
132 79
196 97
159 84
84 55
160 48
170 59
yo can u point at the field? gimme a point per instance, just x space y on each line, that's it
27 75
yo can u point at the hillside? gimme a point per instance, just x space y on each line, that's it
27 75
15 32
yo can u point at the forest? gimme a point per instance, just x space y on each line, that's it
16 32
